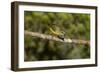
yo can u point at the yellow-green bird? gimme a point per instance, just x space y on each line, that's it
57 32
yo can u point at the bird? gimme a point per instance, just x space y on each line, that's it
57 32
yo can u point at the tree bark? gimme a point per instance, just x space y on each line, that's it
50 37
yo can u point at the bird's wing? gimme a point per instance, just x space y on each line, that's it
54 32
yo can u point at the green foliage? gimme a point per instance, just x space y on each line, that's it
75 25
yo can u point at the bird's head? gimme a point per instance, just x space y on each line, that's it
63 32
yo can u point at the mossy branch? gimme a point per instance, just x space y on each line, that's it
50 37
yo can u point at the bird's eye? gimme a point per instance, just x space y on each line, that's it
62 32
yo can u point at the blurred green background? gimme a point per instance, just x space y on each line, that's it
75 26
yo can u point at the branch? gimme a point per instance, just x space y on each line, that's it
49 37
